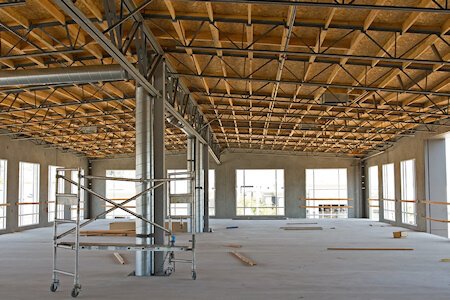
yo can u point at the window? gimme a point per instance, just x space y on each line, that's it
74 190
28 194
374 196
408 181
3 202
212 192
177 187
260 192
389 192
52 194
119 191
326 193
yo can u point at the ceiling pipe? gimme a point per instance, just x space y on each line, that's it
62 75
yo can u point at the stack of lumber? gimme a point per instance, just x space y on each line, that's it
129 229
108 233
115 229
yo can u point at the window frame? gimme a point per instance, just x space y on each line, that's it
279 194
389 201
313 203
35 203
408 209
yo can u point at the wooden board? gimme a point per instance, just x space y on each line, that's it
244 259
299 223
122 226
233 245
177 226
399 234
108 233
119 258
371 249
301 228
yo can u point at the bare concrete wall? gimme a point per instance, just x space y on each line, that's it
405 149
16 151
294 175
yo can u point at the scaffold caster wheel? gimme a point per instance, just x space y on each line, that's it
75 292
168 272
194 275
54 286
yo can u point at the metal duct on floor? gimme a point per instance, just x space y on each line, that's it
62 75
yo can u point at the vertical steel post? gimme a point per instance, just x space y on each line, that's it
144 169
191 187
205 188
159 164
76 279
55 280
200 204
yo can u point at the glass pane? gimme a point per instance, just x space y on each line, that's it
326 193
120 191
259 192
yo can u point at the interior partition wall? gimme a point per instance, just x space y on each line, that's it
326 193
260 192
28 194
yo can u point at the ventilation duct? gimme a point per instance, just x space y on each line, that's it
335 98
62 75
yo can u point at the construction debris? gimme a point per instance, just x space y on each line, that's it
301 228
119 258
399 234
244 259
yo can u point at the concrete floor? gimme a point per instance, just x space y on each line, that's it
291 265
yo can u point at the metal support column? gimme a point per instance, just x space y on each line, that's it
191 187
199 180
88 204
364 202
159 165
205 188
144 169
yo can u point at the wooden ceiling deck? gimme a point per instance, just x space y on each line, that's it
258 71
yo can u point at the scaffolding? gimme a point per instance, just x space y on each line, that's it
74 244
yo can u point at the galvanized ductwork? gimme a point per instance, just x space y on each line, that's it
62 75
144 169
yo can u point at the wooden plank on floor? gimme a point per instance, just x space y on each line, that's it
233 245
299 223
302 228
244 258
371 249
108 233
119 258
